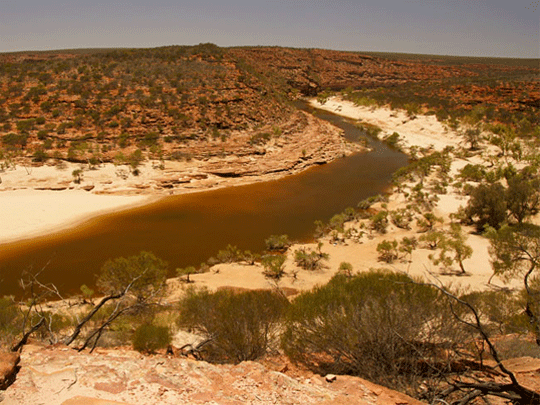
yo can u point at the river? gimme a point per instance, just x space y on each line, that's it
188 229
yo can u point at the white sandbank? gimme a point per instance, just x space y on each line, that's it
29 213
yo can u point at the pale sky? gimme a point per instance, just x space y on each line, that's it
507 28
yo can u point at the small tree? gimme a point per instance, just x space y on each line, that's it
231 254
277 242
134 160
186 271
487 206
453 249
145 273
515 252
428 221
129 284
87 293
274 266
379 222
523 196
407 245
401 218
472 135
432 239
388 250
345 268
77 176
309 259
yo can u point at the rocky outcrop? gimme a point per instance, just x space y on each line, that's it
248 156
8 369
63 376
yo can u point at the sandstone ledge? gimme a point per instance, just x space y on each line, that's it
63 376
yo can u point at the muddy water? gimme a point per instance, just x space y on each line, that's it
187 230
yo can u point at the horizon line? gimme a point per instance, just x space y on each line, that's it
63 50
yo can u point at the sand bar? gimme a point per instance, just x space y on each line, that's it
29 213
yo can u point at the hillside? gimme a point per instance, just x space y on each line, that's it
198 102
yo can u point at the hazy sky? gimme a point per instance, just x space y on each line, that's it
452 27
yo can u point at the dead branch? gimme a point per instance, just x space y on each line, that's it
513 391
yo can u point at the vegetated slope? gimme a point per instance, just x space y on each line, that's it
180 102
79 107
496 90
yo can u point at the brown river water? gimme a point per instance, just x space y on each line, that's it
188 229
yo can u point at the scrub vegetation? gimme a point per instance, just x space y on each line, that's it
424 339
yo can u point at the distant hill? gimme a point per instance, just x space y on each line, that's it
174 102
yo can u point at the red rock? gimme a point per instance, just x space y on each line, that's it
8 368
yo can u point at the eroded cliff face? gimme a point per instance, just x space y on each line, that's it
303 141
58 375
183 102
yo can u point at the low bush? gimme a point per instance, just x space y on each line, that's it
14 140
500 311
379 222
473 173
277 242
377 325
309 259
237 326
393 139
9 315
274 266
388 251
231 254
148 338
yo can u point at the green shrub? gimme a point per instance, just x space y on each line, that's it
231 254
345 268
40 156
500 311
377 325
186 271
487 206
277 242
428 221
150 138
379 222
368 202
388 251
123 140
401 218
393 139
309 259
273 266
260 138
135 159
142 275
12 140
25 125
473 173
148 338
9 315
239 326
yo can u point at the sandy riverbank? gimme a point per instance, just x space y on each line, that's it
30 211
36 200
421 132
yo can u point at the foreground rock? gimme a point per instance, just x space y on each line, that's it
63 376
8 368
